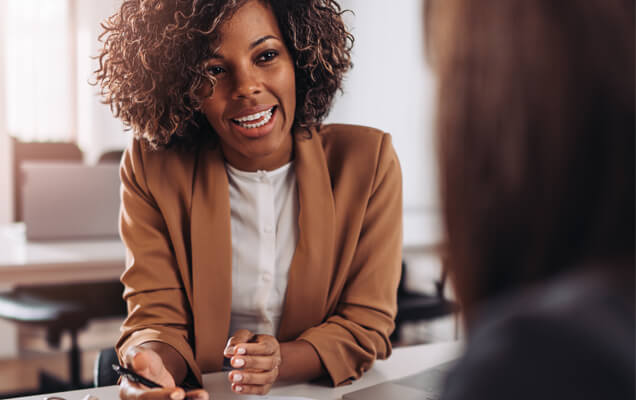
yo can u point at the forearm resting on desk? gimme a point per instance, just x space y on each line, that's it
300 362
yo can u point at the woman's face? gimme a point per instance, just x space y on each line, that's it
254 101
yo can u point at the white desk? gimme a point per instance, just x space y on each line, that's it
23 262
404 361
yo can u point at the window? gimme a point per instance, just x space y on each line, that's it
39 69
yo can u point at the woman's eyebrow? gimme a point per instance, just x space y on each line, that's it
261 40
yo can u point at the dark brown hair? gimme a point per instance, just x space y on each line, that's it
151 64
535 137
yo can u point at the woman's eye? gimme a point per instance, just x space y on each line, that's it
215 70
267 55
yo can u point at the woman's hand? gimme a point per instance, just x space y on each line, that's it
149 364
256 359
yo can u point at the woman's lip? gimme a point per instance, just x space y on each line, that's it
255 133
249 111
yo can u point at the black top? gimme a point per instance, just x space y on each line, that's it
571 338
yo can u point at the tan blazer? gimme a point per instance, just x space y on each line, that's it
341 293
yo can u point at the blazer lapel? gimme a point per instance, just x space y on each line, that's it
211 259
312 265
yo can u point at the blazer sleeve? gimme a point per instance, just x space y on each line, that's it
358 332
158 309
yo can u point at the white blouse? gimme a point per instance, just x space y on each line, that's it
264 222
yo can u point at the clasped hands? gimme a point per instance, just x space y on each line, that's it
255 358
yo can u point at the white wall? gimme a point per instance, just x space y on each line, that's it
8 336
6 198
391 88
97 130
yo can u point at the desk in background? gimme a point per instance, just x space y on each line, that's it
24 262
405 361
49 262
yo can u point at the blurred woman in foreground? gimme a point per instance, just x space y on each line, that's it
536 142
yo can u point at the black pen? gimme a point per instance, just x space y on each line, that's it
134 377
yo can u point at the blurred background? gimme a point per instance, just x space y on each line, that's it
46 48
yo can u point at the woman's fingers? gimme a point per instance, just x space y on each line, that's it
149 364
257 358
197 394
263 363
240 336
253 377
251 389
135 391
263 348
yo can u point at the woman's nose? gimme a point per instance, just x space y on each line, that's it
246 84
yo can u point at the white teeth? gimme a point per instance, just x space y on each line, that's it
266 115
252 117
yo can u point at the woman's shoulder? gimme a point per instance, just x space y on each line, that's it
157 165
349 129
577 300
356 144
141 151
572 335
350 135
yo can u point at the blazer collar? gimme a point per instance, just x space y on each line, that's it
311 269
211 258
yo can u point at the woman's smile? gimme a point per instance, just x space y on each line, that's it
257 124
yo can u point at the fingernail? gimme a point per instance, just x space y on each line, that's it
237 378
241 350
239 362
229 350
177 395
238 388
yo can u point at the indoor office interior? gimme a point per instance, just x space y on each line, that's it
60 147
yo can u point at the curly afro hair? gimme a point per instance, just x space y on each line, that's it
151 65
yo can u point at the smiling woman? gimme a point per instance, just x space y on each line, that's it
166 77
258 238
254 100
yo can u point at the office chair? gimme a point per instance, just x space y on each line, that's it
103 373
415 306
63 308
57 308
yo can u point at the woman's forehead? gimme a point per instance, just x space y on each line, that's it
251 21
